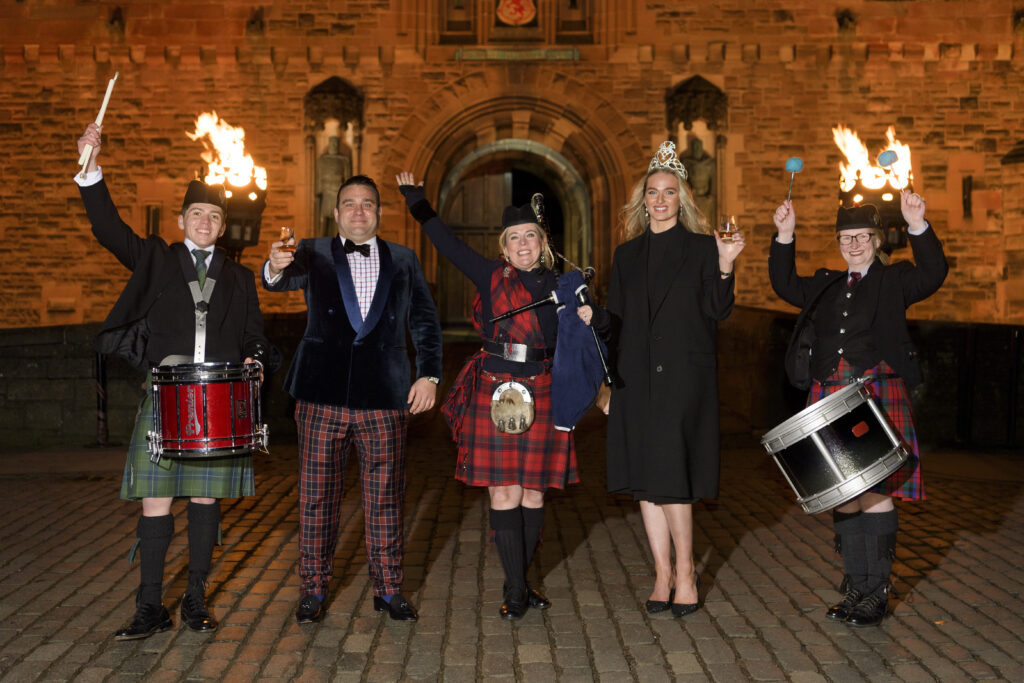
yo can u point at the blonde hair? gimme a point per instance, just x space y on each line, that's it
547 257
635 220
878 237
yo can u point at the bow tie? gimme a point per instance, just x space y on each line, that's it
363 249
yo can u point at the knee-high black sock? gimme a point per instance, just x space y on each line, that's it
508 538
203 523
154 537
880 530
533 522
851 544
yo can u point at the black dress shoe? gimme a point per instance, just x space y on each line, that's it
148 619
656 606
398 609
870 611
683 609
536 599
310 609
841 610
194 613
514 605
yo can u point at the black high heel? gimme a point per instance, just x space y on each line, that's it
655 606
681 610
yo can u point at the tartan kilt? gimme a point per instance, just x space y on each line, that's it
228 477
541 457
891 396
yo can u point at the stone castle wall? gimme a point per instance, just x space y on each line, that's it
948 74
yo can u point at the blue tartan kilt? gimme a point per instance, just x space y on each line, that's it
226 477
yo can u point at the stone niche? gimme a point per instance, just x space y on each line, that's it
697 113
334 125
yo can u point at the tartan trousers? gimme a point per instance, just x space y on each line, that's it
379 436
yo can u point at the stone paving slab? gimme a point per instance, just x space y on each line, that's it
768 575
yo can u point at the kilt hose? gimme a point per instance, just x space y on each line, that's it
541 457
379 438
226 477
891 396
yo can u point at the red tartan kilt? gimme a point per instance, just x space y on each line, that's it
890 395
541 457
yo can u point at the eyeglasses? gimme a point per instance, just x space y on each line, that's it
862 238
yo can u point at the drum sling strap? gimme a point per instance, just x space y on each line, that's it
201 298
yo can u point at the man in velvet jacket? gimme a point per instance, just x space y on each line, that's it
351 381
153 323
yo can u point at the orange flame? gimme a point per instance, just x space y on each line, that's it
860 166
225 154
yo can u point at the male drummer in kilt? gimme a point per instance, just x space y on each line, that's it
859 324
153 323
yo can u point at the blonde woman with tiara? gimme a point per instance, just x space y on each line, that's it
671 282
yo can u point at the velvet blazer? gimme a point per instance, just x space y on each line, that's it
154 317
343 360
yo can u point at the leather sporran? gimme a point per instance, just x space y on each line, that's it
512 408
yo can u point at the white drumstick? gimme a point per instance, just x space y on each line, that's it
83 159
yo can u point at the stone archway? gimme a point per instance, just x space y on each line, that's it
553 168
557 129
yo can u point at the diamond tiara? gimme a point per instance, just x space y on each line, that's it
665 159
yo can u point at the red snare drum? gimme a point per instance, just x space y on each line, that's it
206 410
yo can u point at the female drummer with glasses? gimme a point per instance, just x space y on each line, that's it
859 326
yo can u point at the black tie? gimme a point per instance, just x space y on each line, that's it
363 249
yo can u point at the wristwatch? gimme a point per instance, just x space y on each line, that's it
435 380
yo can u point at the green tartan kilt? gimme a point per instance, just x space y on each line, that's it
227 477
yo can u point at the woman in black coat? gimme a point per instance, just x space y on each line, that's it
671 283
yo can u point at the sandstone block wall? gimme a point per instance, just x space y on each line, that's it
948 74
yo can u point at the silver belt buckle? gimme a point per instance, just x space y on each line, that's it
514 352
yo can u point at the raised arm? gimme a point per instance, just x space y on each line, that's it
286 270
111 232
719 282
931 268
471 263
789 286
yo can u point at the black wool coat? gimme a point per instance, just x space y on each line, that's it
155 315
663 416
344 361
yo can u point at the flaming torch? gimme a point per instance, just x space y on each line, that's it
245 183
862 182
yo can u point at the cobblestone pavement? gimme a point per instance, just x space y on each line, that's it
768 575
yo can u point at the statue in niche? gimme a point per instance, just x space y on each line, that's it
701 171
332 169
